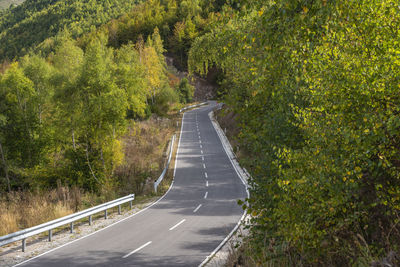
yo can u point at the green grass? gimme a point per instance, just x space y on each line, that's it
6 3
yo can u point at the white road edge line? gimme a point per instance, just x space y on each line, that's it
136 250
196 209
179 145
95 232
206 260
206 194
176 225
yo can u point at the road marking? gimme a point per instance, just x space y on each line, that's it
202 158
176 225
201 146
204 166
179 144
201 151
200 141
205 196
136 250
207 183
205 174
196 209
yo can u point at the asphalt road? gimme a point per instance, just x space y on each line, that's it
184 227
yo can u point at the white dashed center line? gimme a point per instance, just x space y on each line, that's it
201 151
202 158
207 183
204 166
136 250
206 175
205 196
176 225
196 209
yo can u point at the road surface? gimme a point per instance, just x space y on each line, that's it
181 229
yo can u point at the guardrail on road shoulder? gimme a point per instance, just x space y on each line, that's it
69 219
171 149
193 106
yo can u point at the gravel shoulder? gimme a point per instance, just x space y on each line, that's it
221 257
12 254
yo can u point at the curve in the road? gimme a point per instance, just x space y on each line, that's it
182 228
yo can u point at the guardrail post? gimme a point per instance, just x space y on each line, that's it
90 220
119 209
131 204
72 227
105 214
23 245
50 235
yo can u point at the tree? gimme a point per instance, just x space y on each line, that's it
22 121
186 91
130 76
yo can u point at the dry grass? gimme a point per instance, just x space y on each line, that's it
145 154
26 209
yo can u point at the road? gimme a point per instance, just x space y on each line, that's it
182 228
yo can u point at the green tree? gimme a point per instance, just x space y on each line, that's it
186 91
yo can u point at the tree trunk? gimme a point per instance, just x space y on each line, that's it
88 162
73 140
5 168
102 159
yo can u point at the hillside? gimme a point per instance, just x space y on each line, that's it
6 3
27 25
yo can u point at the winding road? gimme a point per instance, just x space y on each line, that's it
183 227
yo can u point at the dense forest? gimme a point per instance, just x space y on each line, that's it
75 107
27 25
66 104
315 89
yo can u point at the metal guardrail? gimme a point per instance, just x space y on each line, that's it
69 219
193 106
171 149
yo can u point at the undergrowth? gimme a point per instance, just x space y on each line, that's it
145 148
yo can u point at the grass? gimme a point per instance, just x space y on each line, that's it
26 209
